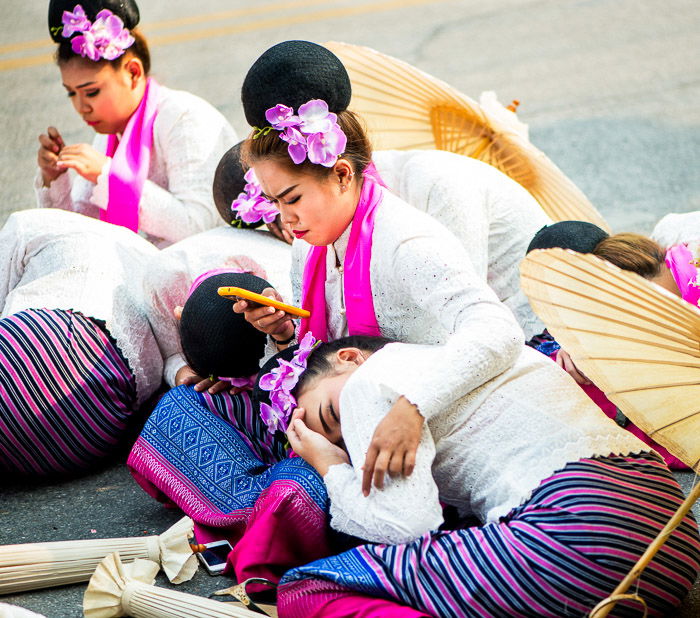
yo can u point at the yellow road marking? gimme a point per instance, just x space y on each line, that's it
183 21
261 24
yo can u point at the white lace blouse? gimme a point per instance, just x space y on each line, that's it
483 452
61 260
425 290
189 138
172 271
493 216
676 228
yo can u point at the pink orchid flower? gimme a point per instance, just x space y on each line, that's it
297 144
314 117
280 116
75 21
324 148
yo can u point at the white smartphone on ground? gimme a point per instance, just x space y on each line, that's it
214 556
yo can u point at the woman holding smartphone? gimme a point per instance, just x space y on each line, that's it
151 164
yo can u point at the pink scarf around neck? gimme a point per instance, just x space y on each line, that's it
131 159
357 287
679 260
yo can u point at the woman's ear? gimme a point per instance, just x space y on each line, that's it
343 173
350 356
134 69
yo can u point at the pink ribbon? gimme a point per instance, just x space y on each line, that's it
131 159
679 260
357 286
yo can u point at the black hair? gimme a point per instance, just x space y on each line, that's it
579 236
293 73
126 10
228 184
319 361
215 340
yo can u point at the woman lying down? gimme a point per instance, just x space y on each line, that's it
568 500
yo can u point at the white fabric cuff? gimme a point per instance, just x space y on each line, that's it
100 194
55 193
172 365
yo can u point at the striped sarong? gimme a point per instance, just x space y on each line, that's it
558 554
66 393
213 457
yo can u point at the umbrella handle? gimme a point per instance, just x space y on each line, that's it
606 605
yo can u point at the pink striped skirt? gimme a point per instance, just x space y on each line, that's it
66 393
558 554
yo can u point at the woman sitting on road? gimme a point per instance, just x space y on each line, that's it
151 164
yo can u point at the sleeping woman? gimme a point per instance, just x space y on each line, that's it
568 501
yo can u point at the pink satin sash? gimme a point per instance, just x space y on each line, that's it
679 260
131 158
357 285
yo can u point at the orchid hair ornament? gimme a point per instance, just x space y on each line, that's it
280 382
104 38
313 133
250 206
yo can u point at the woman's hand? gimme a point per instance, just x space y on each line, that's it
394 445
279 231
312 447
84 159
269 320
51 144
186 375
564 361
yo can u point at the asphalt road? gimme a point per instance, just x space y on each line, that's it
610 91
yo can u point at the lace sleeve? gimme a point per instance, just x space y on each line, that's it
432 272
407 507
191 145
165 287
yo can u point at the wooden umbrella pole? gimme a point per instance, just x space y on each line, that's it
606 605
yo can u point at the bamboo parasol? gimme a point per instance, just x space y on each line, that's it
405 108
638 343
117 589
44 565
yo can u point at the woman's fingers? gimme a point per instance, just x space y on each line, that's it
409 463
218 387
203 385
395 467
48 144
380 469
368 469
565 361
56 137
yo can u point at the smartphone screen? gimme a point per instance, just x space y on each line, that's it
214 556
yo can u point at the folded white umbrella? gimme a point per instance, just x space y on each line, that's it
118 589
29 566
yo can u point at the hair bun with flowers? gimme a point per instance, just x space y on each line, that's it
105 38
314 132
280 383
250 206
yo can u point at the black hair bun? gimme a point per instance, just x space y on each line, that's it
228 184
292 73
127 10
579 236
215 340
